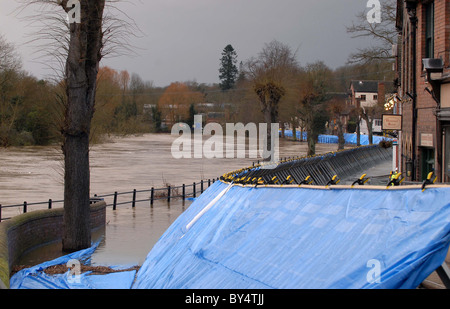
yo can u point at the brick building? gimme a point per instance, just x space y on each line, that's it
423 80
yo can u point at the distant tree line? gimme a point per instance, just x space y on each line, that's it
270 87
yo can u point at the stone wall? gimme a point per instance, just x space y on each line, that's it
24 232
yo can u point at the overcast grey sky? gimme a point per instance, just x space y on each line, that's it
184 38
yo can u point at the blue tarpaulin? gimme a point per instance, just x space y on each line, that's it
36 278
243 237
284 237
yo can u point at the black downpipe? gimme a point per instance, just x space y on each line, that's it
413 19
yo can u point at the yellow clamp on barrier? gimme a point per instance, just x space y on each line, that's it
333 181
428 181
289 179
307 181
395 179
361 181
273 181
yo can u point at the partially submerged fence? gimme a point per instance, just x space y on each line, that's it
168 193
316 170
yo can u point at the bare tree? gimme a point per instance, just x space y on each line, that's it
74 35
10 65
314 93
271 75
337 107
383 34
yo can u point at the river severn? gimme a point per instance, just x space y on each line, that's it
35 174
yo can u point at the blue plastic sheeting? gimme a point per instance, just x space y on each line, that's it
302 238
35 278
333 139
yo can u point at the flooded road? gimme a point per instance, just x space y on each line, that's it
35 174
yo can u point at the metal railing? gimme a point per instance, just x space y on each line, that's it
151 195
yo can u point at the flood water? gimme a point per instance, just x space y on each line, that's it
35 174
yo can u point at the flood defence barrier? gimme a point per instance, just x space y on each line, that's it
238 236
350 138
314 170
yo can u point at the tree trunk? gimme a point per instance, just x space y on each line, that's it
340 133
369 124
311 140
81 77
358 131
269 119
77 232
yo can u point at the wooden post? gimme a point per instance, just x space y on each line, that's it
50 202
193 190
133 204
115 201
168 194
152 195
184 192
201 187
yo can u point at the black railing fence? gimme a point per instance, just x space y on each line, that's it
131 197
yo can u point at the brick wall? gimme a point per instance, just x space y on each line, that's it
425 104
32 229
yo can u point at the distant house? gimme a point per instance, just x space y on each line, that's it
366 94
214 112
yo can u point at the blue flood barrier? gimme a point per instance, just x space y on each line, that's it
279 237
333 139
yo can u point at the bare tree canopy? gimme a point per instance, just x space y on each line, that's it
51 36
383 34
275 63
271 73
9 58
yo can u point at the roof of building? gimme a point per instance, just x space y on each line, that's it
364 85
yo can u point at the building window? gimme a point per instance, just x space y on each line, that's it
363 97
429 30
375 97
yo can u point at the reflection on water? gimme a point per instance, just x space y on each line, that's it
131 233
127 238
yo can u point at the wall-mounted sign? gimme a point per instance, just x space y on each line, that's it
392 122
426 140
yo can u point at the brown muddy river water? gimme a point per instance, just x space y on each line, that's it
35 174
